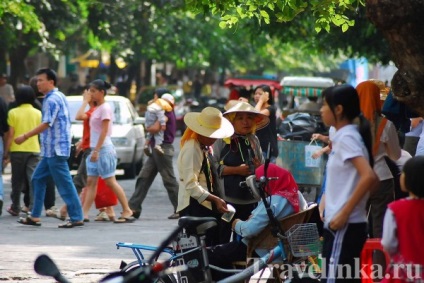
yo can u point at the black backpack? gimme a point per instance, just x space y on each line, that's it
300 126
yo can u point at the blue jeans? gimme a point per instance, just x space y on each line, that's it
1 169
58 168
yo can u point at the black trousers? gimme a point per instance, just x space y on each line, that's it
344 246
198 210
224 255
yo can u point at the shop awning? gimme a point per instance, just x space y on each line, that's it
88 60
303 91
252 82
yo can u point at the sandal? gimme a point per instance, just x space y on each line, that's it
102 216
52 212
60 217
29 221
12 212
71 224
25 209
121 219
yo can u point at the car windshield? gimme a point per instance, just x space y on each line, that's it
121 113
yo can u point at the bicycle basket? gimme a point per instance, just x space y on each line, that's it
304 240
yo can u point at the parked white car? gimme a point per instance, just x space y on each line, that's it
127 133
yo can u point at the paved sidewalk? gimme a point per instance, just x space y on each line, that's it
83 254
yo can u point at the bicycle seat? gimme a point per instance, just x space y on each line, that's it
197 225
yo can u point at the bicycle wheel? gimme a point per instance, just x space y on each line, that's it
131 266
167 279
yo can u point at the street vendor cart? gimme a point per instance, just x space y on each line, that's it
295 154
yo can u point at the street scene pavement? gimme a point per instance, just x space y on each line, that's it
83 254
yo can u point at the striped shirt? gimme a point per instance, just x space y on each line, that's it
56 140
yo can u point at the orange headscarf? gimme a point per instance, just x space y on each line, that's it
189 134
369 101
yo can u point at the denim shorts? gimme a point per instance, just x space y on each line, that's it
105 166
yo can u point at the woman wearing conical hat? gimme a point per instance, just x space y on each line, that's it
198 183
238 157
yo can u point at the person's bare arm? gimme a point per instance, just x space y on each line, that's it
37 130
242 170
8 137
321 207
262 101
81 111
320 137
155 128
391 145
221 205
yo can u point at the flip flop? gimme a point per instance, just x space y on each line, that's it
121 219
60 217
103 217
70 224
12 212
25 210
29 221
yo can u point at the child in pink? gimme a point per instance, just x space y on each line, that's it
403 228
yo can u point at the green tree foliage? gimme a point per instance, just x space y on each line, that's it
363 40
174 31
325 12
50 25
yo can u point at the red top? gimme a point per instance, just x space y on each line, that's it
234 95
409 215
86 130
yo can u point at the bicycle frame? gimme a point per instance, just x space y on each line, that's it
138 249
260 264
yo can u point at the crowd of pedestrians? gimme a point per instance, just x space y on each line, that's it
217 151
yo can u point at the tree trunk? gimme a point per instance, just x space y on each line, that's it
17 64
113 69
401 23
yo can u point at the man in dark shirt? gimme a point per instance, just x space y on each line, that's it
158 163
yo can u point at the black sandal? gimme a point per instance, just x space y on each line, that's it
29 221
70 224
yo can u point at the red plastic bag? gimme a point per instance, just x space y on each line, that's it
105 196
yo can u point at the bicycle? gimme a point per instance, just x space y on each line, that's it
308 239
152 270
188 252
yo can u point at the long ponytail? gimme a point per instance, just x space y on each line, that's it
365 132
347 96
